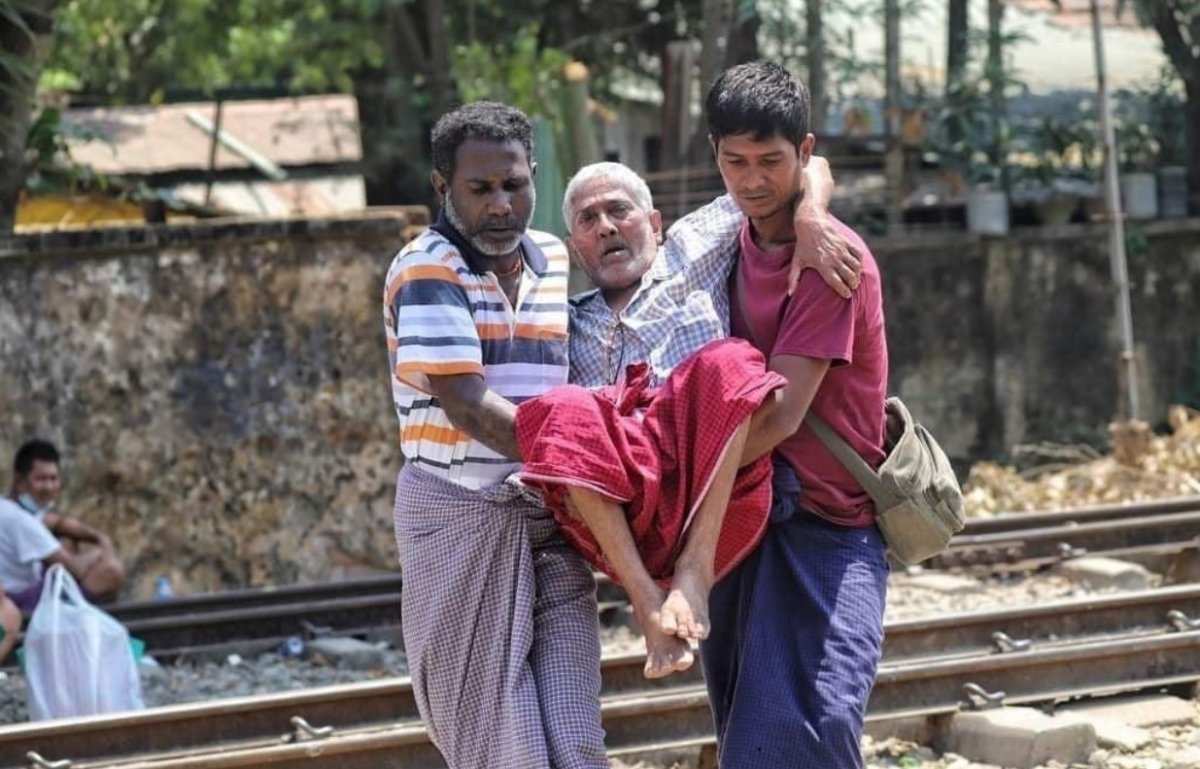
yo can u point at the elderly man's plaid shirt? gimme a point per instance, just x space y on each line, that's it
681 305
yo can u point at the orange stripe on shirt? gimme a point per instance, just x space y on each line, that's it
538 331
421 272
438 369
447 436
523 330
492 330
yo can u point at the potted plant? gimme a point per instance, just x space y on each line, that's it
1162 109
1058 168
987 203
961 141
1137 150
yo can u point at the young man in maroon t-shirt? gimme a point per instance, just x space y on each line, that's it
797 628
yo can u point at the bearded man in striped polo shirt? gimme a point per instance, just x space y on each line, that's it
499 613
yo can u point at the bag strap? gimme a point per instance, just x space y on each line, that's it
850 459
52 584
59 582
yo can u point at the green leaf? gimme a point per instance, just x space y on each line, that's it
13 12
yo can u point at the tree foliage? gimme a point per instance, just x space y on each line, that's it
139 50
24 25
518 73
404 59
134 51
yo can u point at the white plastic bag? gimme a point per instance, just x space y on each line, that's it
77 658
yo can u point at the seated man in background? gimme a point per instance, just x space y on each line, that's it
27 549
36 484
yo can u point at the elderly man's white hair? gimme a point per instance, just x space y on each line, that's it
622 175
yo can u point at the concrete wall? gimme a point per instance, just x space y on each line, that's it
996 343
221 390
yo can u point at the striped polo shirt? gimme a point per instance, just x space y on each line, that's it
444 318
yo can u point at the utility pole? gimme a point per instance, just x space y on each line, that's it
996 78
814 34
1126 379
894 160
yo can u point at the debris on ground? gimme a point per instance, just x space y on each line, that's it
1143 467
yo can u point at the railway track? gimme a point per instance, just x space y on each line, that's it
1025 541
1032 548
1050 652
1012 524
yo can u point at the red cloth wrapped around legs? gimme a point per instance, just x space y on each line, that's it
654 451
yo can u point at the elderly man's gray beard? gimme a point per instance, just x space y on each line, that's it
482 246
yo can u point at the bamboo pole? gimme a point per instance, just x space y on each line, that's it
1126 378
894 161
582 142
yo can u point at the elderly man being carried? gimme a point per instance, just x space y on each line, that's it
654 471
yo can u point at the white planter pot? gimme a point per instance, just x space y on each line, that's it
987 212
1139 195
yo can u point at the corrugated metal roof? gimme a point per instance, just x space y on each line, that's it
298 131
303 197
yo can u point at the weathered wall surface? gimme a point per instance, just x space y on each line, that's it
996 343
221 391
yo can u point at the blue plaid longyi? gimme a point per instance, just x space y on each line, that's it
797 630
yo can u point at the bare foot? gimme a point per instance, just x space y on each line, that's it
685 612
665 654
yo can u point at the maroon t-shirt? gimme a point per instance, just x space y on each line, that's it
817 323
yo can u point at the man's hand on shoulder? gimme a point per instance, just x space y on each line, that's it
819 243
820 246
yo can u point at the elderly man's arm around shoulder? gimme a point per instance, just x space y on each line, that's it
819 243
478 411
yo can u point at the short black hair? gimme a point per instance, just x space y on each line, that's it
487 120
759 98
35 450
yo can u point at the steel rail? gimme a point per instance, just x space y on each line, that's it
1054 674
1009 521
915 643
170 637
1174 607
1014 524
1032 548
257 596
193 725
253 631
680 713
265 621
